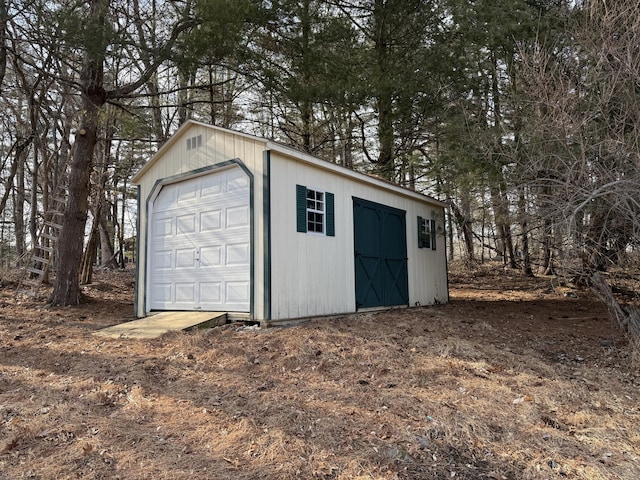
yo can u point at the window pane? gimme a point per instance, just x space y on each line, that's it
315 222
315 211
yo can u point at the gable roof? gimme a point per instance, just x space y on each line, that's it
291 153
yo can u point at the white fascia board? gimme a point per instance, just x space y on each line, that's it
177 135
296 155
353 175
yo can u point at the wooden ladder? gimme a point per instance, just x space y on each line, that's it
41 254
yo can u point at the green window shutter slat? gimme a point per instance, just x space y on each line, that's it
301 208
420 238
331 220
433 234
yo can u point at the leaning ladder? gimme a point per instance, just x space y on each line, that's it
41 254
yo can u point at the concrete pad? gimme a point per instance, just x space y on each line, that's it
155 325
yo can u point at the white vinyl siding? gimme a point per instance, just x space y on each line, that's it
311 276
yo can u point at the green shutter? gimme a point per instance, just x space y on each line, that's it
331 220
420 237
301 208
433 234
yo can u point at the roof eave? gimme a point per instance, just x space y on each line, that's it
358 176
292 153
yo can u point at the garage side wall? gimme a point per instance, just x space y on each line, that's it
314 274
193 152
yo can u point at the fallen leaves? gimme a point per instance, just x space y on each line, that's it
525 398
304 402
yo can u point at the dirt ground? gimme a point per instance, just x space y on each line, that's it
514 379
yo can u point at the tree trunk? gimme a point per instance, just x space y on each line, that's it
384 97
305 104
152 83
67 286
547 267
106 244
348 142
17 169
21 244
5 261
503 226
33 213
121 257
86 275
3 41
464 225
450 234
183 96
526 256
386 167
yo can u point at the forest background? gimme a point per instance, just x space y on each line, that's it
522 115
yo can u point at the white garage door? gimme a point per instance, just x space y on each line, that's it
199 252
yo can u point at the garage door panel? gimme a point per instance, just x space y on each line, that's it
236 292
200 248
166 198
162 292
210 292
185 258
162 228
237 181
210 256
163 260
187 191
237 254
210 220
185 224
212 185
237 217
185 292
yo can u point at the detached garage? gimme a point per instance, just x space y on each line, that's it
234 223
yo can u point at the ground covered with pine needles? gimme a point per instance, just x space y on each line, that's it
514 379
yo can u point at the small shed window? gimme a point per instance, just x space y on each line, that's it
426 233
315 211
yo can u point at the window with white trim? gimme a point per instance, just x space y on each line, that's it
426 233
315 211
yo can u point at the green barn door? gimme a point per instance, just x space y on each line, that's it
380 242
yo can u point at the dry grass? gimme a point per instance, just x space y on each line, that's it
511 380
